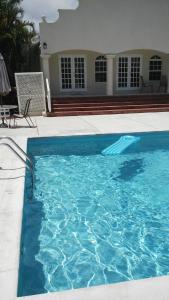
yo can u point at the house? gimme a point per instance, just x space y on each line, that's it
103 47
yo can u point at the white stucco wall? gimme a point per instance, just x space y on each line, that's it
109 26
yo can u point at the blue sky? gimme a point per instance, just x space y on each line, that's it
34 9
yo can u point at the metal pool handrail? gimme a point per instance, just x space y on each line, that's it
30 165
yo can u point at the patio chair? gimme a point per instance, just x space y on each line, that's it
163 84
144 85
4 115
25 115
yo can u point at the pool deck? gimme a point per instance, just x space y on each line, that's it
12 174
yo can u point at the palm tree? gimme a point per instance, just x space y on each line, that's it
15 35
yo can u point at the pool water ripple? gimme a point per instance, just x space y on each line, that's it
105 218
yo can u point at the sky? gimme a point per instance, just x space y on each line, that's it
35 9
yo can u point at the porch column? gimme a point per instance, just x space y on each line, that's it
110 58
45 66
168 76
46 73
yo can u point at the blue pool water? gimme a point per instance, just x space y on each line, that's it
94 219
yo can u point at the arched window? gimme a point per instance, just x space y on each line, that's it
155 68
101 69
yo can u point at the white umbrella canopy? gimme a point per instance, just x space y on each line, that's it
5 87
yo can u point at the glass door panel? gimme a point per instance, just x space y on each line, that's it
123 72
66 73
79 64
135 72
129 69
73 73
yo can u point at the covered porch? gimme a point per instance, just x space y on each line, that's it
87 73
88 82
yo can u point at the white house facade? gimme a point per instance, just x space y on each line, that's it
107 47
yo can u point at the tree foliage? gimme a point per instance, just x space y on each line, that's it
15 35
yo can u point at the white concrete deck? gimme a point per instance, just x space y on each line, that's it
11 202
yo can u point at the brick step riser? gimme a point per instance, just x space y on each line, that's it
109 99
111 102
101 112
105 107
107 103
113 97
111 110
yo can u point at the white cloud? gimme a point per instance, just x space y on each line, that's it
35 9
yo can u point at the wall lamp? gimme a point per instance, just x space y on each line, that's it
45 46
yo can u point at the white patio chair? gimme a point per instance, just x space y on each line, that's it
163 84
25 115
145 86
4 115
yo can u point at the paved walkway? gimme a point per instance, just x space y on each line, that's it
91 124
12 174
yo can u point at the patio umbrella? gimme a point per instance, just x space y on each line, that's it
5 87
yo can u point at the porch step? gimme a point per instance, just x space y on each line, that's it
99 106
104 112
73 106
106 103
98 99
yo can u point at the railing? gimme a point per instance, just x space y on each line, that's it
48 95
27 161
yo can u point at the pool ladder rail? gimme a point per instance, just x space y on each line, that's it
26 160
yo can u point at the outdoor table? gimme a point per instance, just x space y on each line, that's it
5 108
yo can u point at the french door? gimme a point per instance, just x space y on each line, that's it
73 73
129 71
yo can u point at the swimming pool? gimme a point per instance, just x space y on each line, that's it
94 219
